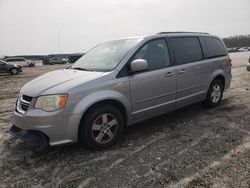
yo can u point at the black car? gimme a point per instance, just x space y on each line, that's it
9 68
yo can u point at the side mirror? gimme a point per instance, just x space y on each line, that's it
138 65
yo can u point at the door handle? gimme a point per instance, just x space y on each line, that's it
169 74
182 71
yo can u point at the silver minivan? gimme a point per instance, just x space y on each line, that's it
119 83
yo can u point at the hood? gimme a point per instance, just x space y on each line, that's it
59 81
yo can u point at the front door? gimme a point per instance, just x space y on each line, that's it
153 91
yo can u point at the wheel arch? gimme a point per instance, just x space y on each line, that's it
217 74
221 78
111 97
117 104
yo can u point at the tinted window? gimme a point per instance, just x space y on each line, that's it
212 47
10 60
187 49
156 53
20 60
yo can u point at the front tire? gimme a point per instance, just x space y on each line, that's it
101 127
14 71
215 93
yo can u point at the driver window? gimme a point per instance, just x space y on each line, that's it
156 53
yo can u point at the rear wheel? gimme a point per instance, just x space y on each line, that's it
215 93
101 127
14 71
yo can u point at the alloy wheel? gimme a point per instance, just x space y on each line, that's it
104 128
216 93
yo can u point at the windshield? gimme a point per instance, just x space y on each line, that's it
106 56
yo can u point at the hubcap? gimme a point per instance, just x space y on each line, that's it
216 93
104 128
14 71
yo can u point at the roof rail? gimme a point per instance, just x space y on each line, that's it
181 32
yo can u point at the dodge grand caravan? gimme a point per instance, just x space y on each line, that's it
119 83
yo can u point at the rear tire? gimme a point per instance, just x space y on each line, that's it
215 93
101 127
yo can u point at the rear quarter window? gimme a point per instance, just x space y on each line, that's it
186 49
212 47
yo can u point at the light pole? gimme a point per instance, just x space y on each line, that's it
59 42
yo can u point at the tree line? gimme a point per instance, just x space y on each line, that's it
237 41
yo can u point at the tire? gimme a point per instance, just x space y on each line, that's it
13 71
101 127
215 93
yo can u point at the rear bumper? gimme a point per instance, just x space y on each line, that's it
32 137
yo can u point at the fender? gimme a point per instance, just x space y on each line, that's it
99 96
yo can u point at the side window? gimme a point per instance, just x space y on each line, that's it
156 53
212 47
187 49
19 59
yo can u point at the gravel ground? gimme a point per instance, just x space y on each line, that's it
191 147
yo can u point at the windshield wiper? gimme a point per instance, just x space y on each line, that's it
82 69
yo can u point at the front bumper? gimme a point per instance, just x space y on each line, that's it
34 138
57 127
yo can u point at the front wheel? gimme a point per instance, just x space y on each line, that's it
101 127
215 93
14 71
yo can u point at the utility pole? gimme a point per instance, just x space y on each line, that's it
59 42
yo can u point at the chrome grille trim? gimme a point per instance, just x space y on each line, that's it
22 105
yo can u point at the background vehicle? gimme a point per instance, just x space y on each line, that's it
230 50
120 83
248 65
243 49
56 60
9 68
21 61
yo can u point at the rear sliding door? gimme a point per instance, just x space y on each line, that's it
192 70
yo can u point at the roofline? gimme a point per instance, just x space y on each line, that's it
177 32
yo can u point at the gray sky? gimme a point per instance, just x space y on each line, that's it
31 26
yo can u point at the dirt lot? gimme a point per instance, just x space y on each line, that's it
192 147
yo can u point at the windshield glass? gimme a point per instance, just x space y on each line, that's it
106 56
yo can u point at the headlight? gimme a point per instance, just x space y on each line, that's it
51 103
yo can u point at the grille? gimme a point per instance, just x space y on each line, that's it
27 98
23 103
